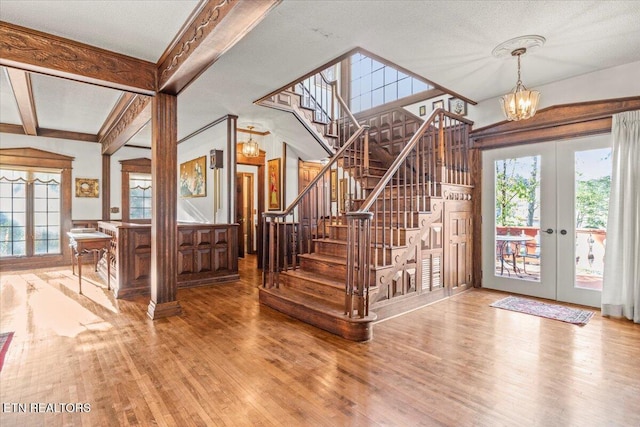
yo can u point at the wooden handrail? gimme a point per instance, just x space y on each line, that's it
320 175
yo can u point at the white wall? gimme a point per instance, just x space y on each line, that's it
617 82
87 164
201 209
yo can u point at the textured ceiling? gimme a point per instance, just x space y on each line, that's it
448 42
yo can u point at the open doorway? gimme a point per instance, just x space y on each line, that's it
245 213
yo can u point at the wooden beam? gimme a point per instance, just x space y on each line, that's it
136 115
23 93
39 52
116 112
50 133
556 122
212 29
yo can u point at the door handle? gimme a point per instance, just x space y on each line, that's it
549 231
563 232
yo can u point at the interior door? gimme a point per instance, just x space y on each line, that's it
239 214
544 218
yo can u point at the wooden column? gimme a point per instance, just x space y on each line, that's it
106 187
164 229
232 124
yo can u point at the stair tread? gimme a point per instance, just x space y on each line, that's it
310 301
325 258
314 277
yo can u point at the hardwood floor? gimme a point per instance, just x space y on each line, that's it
228 361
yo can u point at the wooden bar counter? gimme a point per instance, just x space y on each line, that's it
207 254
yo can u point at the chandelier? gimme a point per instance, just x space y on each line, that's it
522 103
250 148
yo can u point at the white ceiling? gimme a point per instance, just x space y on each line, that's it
448 42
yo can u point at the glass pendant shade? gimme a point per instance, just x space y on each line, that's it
522 103
250 148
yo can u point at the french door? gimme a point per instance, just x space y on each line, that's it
544 210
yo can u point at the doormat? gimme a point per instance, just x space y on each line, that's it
542 309
5 340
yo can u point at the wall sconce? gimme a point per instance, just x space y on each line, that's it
215 159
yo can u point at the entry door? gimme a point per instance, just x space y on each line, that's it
244 213
544 218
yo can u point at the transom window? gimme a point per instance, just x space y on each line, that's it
30 206
374 83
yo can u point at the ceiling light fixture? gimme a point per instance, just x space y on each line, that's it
250 148
522 103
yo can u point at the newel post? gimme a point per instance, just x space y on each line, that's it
269 250
358 264
441 172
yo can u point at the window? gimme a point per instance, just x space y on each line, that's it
139 196
374 83
30 207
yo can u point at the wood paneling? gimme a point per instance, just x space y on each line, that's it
39 52
205 255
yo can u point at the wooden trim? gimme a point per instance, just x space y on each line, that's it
129 166
134 118
106 187
345 71
39 52
253 132
400 103
11 128
207 126
50 133
63 134
555 122
116 113
214 29
23 92
35 158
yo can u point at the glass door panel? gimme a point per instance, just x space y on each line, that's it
518 208
583 185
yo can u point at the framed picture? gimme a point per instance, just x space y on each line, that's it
274 201
344 194
457 106
193 178
87 187
438 104
334 185
423 110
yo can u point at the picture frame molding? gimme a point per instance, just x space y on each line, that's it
188 170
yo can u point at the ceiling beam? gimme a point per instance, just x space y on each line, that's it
23 93
213 28
136 115
116 112
39 52
50 133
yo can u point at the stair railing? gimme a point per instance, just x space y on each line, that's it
437 154
291 232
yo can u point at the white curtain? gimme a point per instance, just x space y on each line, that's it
621 283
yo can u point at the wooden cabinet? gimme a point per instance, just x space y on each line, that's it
207 254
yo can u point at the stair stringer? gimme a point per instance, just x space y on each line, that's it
290 101
406 284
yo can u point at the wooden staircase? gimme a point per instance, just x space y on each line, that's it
365 240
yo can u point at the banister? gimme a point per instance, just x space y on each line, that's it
318 177
343 104
373 195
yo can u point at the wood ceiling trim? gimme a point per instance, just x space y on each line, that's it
116 112
50 133
39 52
23 93
556 122
134 118
214 29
